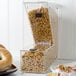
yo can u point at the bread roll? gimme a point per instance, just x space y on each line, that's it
5 59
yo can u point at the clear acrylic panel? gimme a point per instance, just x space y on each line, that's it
41 34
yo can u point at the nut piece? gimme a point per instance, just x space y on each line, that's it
61 67
65 68
68 69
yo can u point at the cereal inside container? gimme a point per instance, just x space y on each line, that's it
37 59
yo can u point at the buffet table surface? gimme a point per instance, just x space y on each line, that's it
59 61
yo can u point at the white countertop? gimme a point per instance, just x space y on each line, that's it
18 73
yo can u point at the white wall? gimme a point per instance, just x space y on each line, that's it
15 26
4 22
11 33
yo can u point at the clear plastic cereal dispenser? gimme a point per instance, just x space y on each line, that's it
40 22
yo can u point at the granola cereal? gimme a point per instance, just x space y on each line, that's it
33 61
40 24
